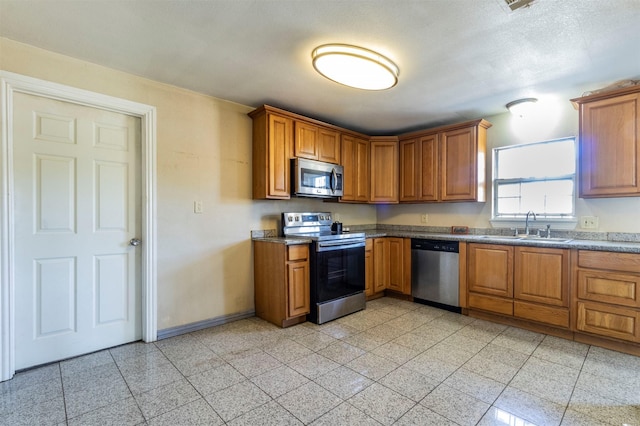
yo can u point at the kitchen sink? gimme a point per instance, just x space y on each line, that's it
525 238
543 239
499 237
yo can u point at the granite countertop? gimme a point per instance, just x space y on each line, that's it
626 243
568 242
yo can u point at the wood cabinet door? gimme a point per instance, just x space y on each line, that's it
328 146
396 264
609 287
610 147
306 140
380 264
348 157
362 177
354 157
428 169
298 288
608 321
409 170
384 171
542 275
368 268
279 153
458 165
490 269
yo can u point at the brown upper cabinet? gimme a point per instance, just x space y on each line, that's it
316 143
272 150
609 148
444 164
383 184
441 164
355 160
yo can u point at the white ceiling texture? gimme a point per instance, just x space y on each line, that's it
458 59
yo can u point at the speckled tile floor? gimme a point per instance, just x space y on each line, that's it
394 363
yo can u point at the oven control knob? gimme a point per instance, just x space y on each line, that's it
290 219
328 217
297 218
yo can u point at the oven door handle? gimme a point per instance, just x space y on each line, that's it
338 245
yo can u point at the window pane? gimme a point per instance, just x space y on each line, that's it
538 177
539 160
553 197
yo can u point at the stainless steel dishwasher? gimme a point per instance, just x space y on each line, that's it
434 273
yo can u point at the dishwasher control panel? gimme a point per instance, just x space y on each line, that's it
435 245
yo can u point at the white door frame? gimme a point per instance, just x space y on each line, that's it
11 83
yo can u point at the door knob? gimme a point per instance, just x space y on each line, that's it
135 242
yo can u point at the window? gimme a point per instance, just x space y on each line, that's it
539 177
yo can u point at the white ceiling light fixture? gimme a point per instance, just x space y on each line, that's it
355 66
522 107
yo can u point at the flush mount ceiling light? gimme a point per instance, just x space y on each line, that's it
355 66
522 107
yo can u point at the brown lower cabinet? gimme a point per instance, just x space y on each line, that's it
281 282
607 297
388 265
530 283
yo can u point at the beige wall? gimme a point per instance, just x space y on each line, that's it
556 118
204 153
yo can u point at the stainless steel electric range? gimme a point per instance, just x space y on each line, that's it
336 265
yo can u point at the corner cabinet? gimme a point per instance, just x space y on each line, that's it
444 164
610 144
391 265
272 151
281 282
383 171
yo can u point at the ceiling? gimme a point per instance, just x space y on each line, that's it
458 59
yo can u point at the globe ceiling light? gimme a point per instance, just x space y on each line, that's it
522 107
355 66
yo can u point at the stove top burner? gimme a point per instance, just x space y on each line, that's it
328 235
315 226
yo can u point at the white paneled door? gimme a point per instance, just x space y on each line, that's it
77 207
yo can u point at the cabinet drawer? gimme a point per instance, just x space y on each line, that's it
539 313
297 252
618 289
622 262
491 304
609 321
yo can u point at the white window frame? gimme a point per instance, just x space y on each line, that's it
515 219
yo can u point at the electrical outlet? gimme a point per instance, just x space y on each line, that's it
589 222
336 217
424 218
197 207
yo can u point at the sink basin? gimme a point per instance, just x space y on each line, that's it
500 237
543 239
525 238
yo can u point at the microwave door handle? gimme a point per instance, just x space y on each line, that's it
334 179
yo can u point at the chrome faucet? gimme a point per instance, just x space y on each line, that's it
526 222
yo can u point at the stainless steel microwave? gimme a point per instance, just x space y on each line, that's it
316 178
